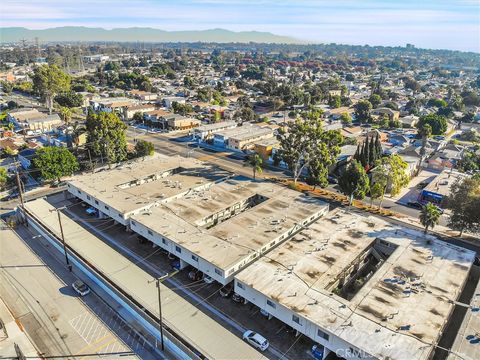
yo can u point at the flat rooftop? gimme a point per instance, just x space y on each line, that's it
182 220
210 337
467 343
400 310
149 182
444 181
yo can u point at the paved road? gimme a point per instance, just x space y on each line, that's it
168 145
58 321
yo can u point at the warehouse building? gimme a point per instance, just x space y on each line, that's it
361 287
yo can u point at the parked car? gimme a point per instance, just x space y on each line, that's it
414 204
264 313
317 351
175 264
208 279
81 288
195 275
226 291
256 340
91 211
237 298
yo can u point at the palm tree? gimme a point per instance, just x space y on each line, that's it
255 162
429 216
66 114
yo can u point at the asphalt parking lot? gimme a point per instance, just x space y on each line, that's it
247 316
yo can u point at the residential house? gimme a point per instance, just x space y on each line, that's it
129 111
25 157
391 114
206 132
169 100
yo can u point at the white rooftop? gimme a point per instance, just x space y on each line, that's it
413 288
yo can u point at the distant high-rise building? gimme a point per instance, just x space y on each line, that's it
410 46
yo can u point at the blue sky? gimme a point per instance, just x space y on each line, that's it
448 24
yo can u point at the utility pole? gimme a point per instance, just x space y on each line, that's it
63 238
160 317
19 185
160 322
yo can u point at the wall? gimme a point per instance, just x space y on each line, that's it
304 325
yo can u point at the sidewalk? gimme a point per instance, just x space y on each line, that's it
12 333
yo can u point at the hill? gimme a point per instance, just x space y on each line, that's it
80 33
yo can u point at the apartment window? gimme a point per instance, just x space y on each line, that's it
296 319
133 223
271 304
241 286
150 232
164 241
218 272
323 335
79 191
88 197
178 249
194 258
96 202
107 208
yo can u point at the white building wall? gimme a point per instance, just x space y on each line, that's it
179 251
303 325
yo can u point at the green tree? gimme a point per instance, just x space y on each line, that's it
429 216
245 114
303 142
144 148
435 102
48 81
394 168
345 118
106 136
6 86
138 117
464 202
335 101
69 99
354 182
362 111
375 100
255 162
55 162
438 123
3 178
66 114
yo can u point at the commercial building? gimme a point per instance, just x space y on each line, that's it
205 132
439 188
361 287
207 217
242 137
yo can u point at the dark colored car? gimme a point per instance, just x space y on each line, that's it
226 291
415 204
237 298
175 264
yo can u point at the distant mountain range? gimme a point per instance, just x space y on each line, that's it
80 33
